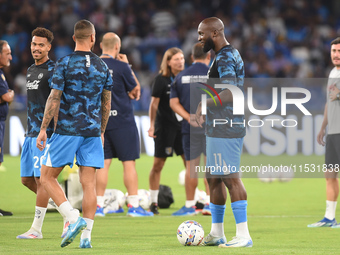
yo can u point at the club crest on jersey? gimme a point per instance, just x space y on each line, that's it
40 75
3 77
168 150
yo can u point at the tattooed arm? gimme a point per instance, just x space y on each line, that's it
55 119
106 107
52 105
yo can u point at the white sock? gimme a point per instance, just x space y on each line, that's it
190 203
217 229
39 216
133 200
207 199
100 201
70 213
154 196
64 217
242 230
330 209
87 231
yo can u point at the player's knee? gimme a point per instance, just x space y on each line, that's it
157 166
28 182
37 181
232 183
331 180
24 182
87 184
43 180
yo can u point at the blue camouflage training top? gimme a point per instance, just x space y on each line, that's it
228 67
38 81
81 76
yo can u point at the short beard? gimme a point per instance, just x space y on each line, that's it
208 45
337 66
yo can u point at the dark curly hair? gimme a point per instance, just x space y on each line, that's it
43 32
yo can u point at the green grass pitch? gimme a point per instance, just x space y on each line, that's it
278 214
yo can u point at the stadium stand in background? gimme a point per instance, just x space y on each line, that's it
276 38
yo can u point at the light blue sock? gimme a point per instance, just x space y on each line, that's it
217 213
240 210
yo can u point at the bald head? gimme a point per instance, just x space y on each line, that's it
211 34
213 24
110 41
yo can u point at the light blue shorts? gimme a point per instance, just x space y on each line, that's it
31 158
224 155
60 151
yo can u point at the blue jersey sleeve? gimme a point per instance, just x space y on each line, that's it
230 67
58 78
128 78
50 70
3 89
3 84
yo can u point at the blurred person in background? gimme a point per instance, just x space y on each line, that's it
6 97
164 125
121 138
184 98
331 120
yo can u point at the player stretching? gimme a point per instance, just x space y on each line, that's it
38 88
81 85
121 135
224 144
331 119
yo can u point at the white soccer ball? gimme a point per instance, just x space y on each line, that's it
144 198
266 174
181 177
273 173
286 174
190 233
113 199
201 196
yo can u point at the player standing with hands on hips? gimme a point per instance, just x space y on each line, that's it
81 88
331 118
224 144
